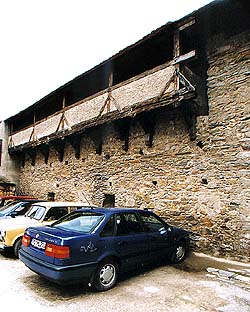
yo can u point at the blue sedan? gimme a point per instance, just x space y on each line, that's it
94 245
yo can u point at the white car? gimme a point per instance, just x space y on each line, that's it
41 213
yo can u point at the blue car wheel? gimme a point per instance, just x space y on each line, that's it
106 275
179 253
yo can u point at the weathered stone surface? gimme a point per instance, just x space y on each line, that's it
203 188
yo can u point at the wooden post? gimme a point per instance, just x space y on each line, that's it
176 54
109 91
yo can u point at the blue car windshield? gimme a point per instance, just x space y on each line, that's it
83 222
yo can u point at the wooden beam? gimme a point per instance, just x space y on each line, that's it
32 154
44 150
184 57
147 122
122 127
96 136
22 158
187 24
59 146
176 54
189 112
185 82
125 113
75 142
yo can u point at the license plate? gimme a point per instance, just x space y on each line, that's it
38 244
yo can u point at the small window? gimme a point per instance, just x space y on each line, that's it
56 213
151 223
109 200
108 229
127 224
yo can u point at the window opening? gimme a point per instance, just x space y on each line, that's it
109 200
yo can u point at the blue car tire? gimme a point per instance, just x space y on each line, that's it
179 252
106 275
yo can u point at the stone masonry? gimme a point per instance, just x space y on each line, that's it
202 185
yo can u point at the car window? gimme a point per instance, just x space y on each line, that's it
151 223
36 212
22 208
73 208
83 222
127 224
11 204
5 210
108 229
55 213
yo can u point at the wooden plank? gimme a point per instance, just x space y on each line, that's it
187 24
176 54
184 57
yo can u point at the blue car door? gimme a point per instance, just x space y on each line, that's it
159 235
131 240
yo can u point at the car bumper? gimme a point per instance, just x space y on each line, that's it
69 274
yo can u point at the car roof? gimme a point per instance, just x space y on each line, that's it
113 210
61 204
27 201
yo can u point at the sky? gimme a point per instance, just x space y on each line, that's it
46 43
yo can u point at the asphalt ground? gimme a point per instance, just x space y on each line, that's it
200 283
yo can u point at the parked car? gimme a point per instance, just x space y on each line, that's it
4 200
95 245
16 208
11 230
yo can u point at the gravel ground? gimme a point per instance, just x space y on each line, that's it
200 283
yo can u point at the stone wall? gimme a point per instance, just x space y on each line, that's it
225 135
201 185
9 168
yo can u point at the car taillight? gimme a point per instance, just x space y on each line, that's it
26 240
55 251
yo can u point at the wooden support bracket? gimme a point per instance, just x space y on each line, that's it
185 82
122 127
32 154
11 143
147 122
188 108
75 142
96 137
22 158
44 149
59 146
